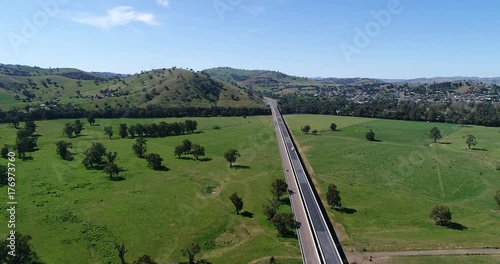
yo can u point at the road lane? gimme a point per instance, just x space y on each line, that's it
325 243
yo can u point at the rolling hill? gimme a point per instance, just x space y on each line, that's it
24 85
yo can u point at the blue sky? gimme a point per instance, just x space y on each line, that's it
327 38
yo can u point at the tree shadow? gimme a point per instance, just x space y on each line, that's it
298 224
289 234
480 149
285 201
205 159
346 210
247 214
456 226
117 178
197 132
291 192
162 168
241 167
186 158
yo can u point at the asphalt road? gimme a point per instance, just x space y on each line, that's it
324 242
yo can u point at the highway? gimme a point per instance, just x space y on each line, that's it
314 225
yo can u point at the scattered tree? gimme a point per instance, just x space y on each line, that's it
470 140
68 129
333 126
270 209
178 151
190 252
140 147
435 134
91 120
198 151
111 156
370 135
132 131
30 126
108 131
112 169
306 129
191 125
5 152
279 188
283 222
187 146
314 132
24 253
62 149
4 175
154 161
24 143
121 251
94 154
333 197
237 202
78 127
441 215
231 155
123 130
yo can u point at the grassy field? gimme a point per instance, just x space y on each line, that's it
441 260
391 185
74 214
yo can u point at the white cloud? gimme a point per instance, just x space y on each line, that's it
117 16
162 2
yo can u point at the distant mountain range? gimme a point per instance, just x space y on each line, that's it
492 80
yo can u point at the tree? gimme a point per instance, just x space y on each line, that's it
470 140
131 131
68 129
435 134
154 161
94 154
144 259
78 127
198 151
237 202
315 132
333 126
333 197
30 126
231 155
306 129
111 156
4 175
24 253
108 131
123 130
270 209
191 125
441 215
14 121
497 197
62 149
370 135
5 152
187 146
91 120
24 143
190 252
279 188
178 151
112 169
121 251
140 147
283 222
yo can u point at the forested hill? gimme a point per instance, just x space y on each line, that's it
25 86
